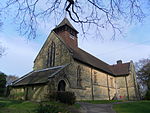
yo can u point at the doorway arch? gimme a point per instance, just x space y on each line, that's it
61 85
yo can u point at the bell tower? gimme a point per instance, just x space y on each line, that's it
67 32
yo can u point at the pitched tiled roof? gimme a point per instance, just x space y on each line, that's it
115 70
65 21
89 59
39 76
120 69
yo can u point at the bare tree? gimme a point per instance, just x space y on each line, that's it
100 14
10 79
2 50
143 70
143 74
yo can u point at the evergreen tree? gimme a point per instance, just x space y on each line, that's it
2 83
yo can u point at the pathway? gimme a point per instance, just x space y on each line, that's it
96 108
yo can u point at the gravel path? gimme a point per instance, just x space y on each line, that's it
96 108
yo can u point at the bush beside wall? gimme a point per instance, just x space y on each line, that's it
147 96
64 97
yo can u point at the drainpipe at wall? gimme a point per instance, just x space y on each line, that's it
108 87
127 87
92 85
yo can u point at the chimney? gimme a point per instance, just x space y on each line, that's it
119 62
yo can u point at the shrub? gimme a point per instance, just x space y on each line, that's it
45 108
147 96
64 97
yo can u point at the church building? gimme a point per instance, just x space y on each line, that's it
62 66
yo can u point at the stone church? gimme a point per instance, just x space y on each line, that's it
62 66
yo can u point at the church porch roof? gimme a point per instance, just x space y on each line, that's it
38 76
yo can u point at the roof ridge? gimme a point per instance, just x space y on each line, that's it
50 68
58 71
65 21
120 64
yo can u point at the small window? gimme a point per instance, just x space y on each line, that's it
72 34
111 82
95 78
72 37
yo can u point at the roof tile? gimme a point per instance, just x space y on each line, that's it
39 76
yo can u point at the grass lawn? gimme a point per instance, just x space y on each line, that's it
15 106
133 107
11 106
101 101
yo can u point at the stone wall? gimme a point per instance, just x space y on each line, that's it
91 88
132 83
62 54
127 85
105 86
36 92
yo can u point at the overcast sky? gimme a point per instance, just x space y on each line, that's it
21 52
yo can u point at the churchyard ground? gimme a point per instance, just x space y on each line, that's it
18 106
122 106
133 107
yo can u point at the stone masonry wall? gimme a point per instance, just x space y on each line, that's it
91 89
127 85
62 54
36 93
104 87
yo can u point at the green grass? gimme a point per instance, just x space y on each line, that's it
101 101
133 107
77 106
12 106
15 106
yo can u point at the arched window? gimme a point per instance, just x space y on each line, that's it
51 55
79 76
95 78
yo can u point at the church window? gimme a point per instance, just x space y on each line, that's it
51 55
79 76
95 78
111 82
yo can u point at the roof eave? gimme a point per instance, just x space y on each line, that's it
94 67
121 75
63 26
21 85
